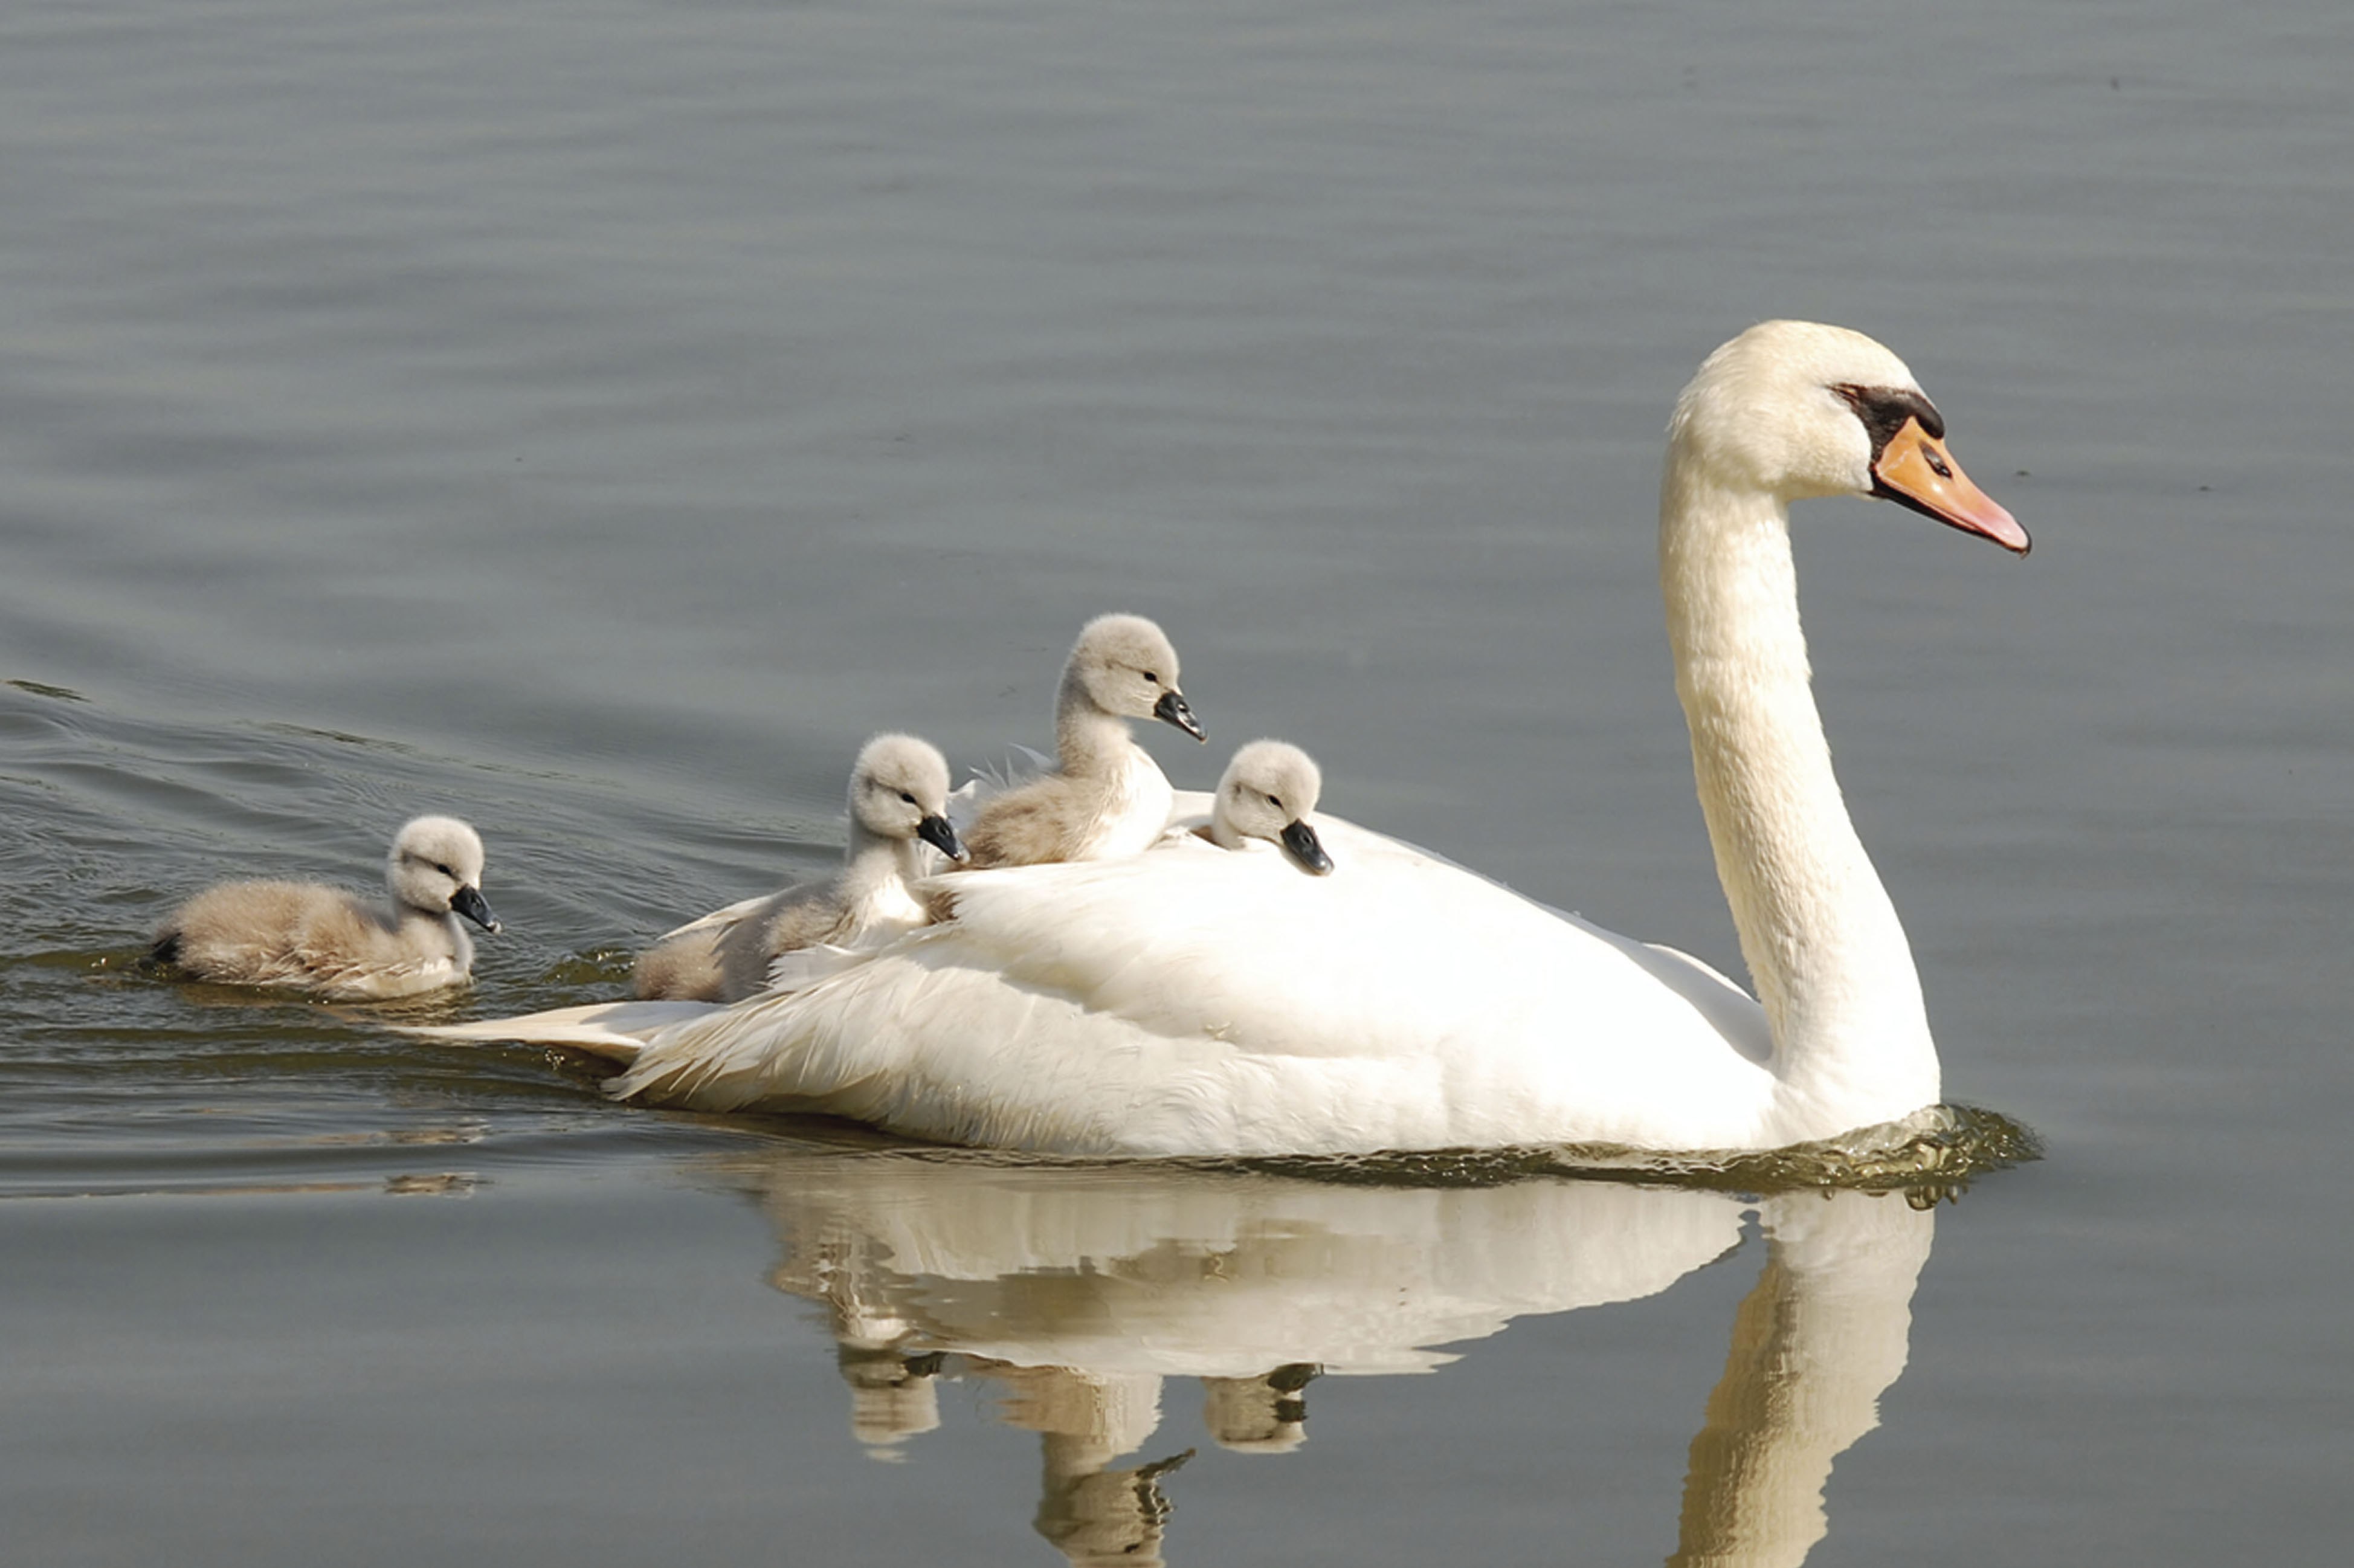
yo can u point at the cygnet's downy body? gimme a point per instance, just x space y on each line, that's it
899 805
326 942
1267 793
1107 798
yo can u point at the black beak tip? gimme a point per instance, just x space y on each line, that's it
1173 708
941 835
468 901
1306 850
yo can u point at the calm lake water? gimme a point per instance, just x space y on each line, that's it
594 420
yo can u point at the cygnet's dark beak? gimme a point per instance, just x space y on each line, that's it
468 901
936 833
1172 709
1301 842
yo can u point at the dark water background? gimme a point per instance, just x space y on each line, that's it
594 420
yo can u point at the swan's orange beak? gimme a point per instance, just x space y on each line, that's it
1916 470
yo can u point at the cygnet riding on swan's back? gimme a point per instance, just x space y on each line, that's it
301 935
1108 797
898 803
1267 792
1180 1003
1264 798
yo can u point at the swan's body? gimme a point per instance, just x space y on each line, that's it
899 805
304 937
1107 798
1195 1002
1265 794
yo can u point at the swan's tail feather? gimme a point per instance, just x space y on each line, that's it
617 1031
762 1051
687 1071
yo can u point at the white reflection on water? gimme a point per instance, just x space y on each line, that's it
1077 1292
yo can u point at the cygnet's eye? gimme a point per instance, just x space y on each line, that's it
1148 675
445 871
905 796
1275 801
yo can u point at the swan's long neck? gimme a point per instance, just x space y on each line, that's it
1824 946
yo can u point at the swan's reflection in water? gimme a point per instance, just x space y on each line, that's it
1078 1291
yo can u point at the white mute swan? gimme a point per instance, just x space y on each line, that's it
1267 792
301 935
1180 1003
898 803
1108 797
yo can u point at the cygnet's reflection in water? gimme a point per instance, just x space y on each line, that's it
1078 1290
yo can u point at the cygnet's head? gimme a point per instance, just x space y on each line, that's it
1267 793
1127 667
899 789
436 865
1799 408
1263 1414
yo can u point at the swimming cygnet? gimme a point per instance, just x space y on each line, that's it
1267 793
301 935
1107 798
898 802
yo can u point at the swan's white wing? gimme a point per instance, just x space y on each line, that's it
718 921
804 967
1192 1000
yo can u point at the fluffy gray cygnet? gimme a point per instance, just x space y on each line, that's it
899 804
329 943
1267 793
1107 796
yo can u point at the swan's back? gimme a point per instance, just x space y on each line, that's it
1194 998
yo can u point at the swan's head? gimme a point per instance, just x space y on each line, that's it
899 789
1796 408
1267 793
436 865
1127 667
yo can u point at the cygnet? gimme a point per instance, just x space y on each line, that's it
301 935
1107 798
1267 793
898 803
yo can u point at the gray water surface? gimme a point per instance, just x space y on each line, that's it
596 420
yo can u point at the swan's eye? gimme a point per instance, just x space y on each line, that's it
1275 801
1152 677
446 871
905 796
